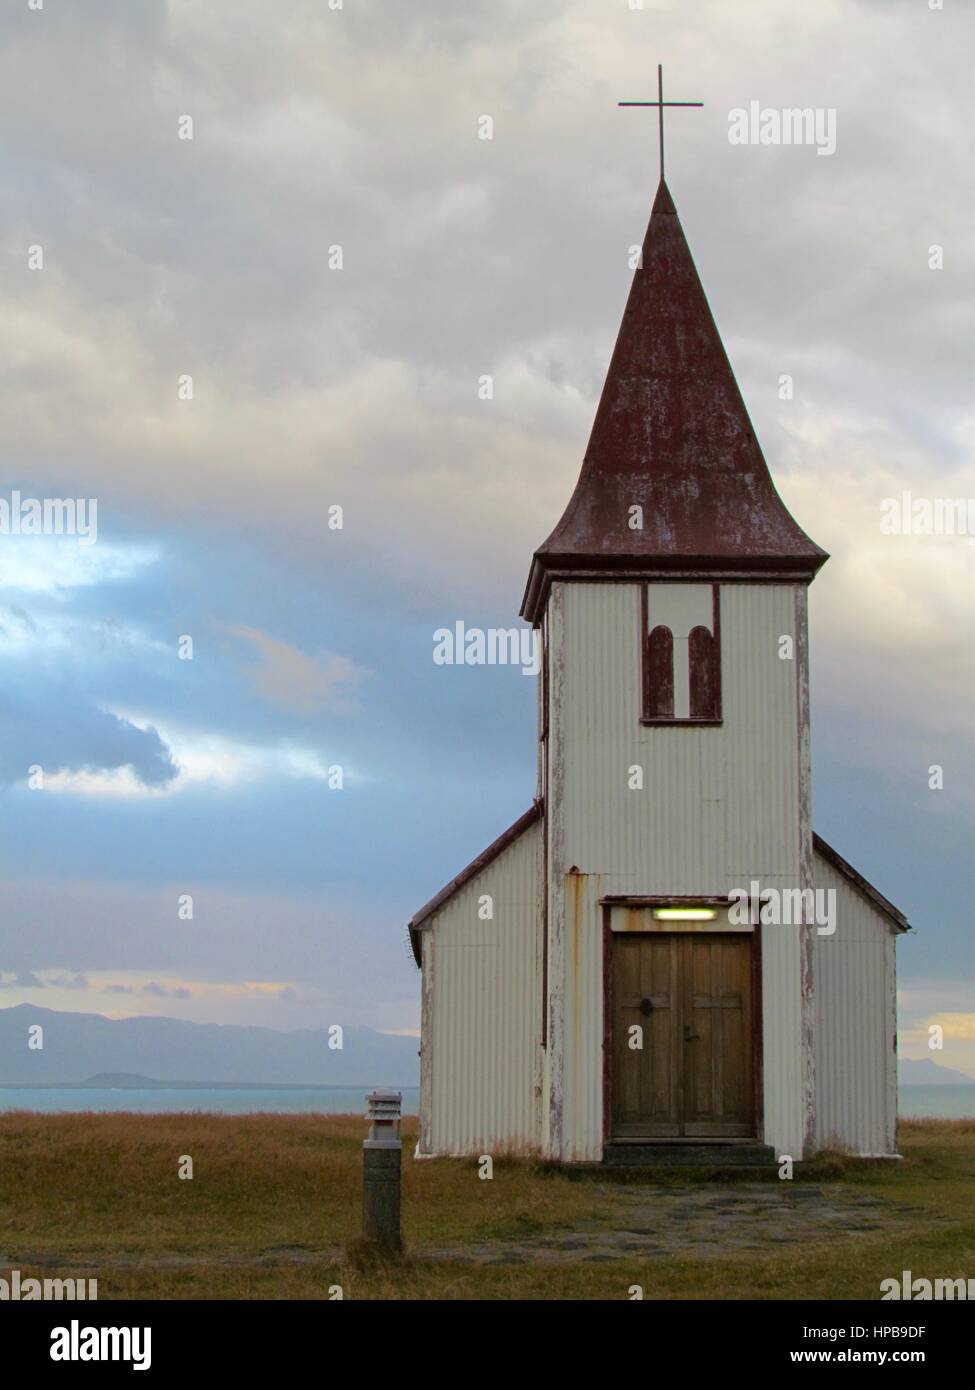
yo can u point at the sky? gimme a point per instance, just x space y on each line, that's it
317 386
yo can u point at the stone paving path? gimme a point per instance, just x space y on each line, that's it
650 1221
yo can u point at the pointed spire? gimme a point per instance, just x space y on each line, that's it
673 438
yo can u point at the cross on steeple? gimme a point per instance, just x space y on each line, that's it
660 104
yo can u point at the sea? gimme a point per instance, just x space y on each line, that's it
933 1102
224 1100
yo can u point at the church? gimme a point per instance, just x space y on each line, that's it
660 960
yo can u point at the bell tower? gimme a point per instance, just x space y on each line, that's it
674 748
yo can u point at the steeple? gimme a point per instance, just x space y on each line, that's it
671 438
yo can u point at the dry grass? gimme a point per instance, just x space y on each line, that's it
108 1182
274 1206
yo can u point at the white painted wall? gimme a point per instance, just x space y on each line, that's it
856 1023
480 1063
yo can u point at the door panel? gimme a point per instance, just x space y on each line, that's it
690 995
646 1098
716 979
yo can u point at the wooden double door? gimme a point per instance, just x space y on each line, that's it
681 1035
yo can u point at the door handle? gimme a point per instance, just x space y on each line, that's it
646 1006
689 1035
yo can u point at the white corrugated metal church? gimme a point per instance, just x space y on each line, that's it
660 954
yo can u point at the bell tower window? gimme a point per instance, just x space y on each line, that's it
681 634
660 672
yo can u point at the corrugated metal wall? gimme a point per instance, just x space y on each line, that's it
856 1023
719 804
480 1066
719 807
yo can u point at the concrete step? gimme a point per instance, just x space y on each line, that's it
688 1155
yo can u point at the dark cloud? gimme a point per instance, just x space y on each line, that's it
166 991
58 734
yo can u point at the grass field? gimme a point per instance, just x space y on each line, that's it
273 1209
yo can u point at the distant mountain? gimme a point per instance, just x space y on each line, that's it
923 1072
80 1046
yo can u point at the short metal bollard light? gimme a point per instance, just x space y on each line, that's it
381 1154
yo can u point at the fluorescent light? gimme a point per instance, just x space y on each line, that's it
685 914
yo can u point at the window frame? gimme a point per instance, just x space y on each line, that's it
685 721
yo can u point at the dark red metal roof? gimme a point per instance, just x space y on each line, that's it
671 435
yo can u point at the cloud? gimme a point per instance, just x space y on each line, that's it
204 758
153 988
289 678
960 1027
958 1040
250 954
165 991
74 743
27 979
56 565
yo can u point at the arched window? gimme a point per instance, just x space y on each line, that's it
660 674
681 663
702 652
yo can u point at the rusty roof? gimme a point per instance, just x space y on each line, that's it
671 435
